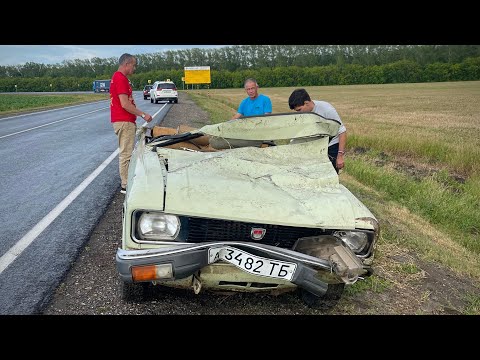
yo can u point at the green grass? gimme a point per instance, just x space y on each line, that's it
473 307
15 103
462 157
373 283
437 198
218 110
408 268
401 228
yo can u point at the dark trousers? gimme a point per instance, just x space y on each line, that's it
332 155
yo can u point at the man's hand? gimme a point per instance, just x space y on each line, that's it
340 161
147 117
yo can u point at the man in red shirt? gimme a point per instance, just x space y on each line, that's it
123 113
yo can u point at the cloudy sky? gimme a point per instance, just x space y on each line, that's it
55 54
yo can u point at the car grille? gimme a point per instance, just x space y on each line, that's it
202 230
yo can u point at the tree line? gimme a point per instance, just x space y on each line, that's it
247 57
271 65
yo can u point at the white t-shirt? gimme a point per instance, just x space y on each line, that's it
326 110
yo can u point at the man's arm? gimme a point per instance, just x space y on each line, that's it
128 106
342 142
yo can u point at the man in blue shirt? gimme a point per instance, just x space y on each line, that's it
255 103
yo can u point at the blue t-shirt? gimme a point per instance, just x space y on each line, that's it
259 106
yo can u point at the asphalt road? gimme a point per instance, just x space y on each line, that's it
58 175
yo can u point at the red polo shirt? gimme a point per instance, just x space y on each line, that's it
120 85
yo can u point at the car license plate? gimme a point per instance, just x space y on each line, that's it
252 264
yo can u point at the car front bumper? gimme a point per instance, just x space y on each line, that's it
188 259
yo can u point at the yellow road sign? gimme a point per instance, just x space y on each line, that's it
197 75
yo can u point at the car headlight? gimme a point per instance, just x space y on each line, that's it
357 241
158 226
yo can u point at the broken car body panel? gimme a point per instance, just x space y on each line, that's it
280 205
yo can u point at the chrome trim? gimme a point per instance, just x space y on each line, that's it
179 248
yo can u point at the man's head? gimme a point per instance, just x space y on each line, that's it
251 87
299 100
127 64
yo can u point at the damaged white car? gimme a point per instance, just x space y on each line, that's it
252 204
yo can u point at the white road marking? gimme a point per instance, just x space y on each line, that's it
159 110
44 111
17 249
146 123
58 121
51 123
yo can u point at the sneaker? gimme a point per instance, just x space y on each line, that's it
123 190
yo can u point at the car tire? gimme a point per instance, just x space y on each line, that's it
176 101
136 292
144 98
325 302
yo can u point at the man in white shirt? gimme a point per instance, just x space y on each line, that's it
300 100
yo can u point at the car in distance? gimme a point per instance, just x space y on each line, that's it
252 204
101 86
164 91
146 91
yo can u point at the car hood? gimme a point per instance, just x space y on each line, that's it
292 185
